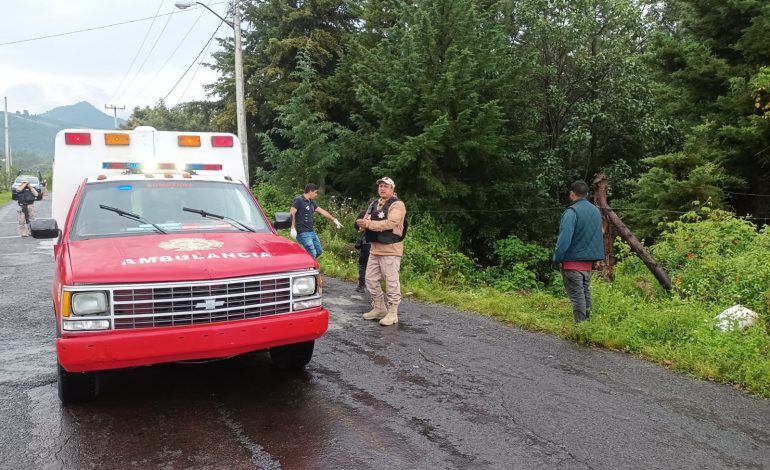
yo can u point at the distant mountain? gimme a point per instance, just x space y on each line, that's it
84 114
32 136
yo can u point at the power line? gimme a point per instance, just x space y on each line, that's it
133 61
19 41
561 208
170 56
747 194
205 47
192 77
149 53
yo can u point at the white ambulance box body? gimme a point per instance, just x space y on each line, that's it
84 153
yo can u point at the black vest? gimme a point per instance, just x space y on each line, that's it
387 237
25 197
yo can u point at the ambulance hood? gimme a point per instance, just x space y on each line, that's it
180 257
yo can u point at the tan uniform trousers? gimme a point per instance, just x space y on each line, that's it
387 267
23 227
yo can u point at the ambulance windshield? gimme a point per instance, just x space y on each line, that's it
160 203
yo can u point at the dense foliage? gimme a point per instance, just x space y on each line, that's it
484 112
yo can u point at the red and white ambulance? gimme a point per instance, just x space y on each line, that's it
163 254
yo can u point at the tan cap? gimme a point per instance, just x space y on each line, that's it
387 181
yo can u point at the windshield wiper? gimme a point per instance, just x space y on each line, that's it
210 215
131 215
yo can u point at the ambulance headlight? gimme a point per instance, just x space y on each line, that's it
89 303
303 285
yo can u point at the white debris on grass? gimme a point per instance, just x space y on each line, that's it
736 316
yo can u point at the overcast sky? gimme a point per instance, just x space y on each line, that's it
96 66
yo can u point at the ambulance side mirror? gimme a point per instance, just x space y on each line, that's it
282 220
44 228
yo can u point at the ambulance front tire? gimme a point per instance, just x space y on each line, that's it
292 356
77 387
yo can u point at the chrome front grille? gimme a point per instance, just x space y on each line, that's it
163 305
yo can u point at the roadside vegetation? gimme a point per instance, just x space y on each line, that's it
5 187
716 259
485 112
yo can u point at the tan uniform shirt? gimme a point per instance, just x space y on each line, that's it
395 222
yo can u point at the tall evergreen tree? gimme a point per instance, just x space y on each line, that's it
432 118
710 64
274 31
301 148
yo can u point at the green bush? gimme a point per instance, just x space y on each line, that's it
432 251
520 266
272 198
718 259
708 235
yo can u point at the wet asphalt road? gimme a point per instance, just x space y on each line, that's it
443 389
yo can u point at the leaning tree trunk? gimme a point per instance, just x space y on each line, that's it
600 180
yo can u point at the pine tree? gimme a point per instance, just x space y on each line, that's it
431 116
301 147
710 61
274 31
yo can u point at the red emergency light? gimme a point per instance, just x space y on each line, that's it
221 141
77 138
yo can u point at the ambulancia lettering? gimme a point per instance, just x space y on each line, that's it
193 257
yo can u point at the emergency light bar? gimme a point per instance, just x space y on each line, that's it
121 166
162 166
122 138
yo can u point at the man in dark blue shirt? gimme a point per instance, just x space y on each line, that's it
302 210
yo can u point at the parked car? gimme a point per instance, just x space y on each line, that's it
34 181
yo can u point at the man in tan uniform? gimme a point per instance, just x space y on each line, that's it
384 223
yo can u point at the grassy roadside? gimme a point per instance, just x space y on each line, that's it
5 196
717 259
675 333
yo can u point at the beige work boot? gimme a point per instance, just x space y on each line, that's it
391 317
378 310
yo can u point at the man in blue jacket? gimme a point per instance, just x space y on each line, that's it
579 244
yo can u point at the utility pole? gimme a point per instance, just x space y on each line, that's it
114 112
240 100
7 142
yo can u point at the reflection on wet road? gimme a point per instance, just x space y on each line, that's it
442 389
